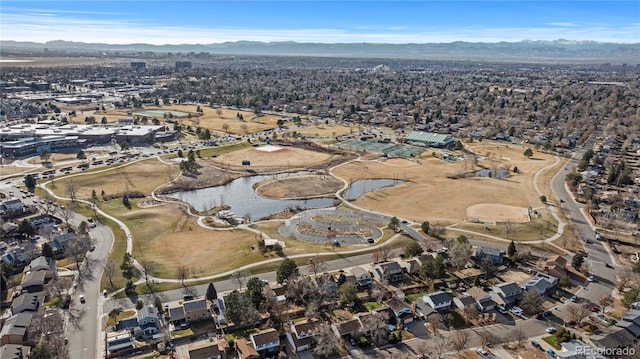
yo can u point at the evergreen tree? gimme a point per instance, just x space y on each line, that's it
211 292
511 250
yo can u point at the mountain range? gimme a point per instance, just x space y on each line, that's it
551 51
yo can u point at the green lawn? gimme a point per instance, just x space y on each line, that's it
372 305
551 340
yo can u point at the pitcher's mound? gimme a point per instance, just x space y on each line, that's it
496 212
268 148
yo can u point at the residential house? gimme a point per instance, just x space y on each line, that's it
465 302
15 328
33 281
440 301
206 350
389 272
401 310
120 340
555 266
40 219
496 255
245 349
612 337
21 256
28 302
12 208
348 328
484 302
632 315
506 293
148 321
363 277
14 351
266 341
176 314
326 283
195 310
575 349
631 327
301 335
542 283
411 266
48 265
59 243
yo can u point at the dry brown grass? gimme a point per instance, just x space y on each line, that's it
143 176
286 157
324 130
429 194
299 187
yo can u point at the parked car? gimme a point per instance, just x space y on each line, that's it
501 309
482 352
590 278
574 299
551 353
82 299
595 309
537 345
551 330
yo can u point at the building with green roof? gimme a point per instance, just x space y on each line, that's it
430 139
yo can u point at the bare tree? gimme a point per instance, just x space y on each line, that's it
72 189
66 213
182 273
327 344
383 253
625 278
316 265
148 269
578 312
507 227
470 313
531 301
48 205
519 336
110 269
487 338
604 302
439 345
374 326
240 277
460 253
459 340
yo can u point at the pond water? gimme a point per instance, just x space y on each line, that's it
360 187
239 194
487 173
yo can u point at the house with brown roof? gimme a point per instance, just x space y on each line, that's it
348 328
206 350
33 281
245 349
556 266
301 335
195 310
266 341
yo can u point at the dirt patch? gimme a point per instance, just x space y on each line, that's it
285 157
496 212
299 187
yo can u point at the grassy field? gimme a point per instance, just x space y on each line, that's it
323 130
430 195
299 187
285 157
536 229
143 176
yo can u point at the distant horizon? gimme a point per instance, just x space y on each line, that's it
170 22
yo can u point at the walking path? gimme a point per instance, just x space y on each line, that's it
200 221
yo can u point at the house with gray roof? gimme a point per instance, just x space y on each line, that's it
195 310
496 255
176 314
301 335
542 283
631 327
27 302
465 301
15 329
429 139
438 300
362 277
389 271
612 337
575 349
506 293
14 351
148 321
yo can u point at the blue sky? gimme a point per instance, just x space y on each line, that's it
207 21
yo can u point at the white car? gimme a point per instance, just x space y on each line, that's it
482 352
551 330
590 278
501 309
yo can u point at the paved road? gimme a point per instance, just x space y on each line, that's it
85 335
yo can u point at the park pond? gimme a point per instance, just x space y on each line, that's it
360 187
243 200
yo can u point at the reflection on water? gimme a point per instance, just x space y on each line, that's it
360 187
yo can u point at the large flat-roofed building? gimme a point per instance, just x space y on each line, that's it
138 65
29 139
429 139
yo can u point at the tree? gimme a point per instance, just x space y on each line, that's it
460 253
139 304
45 155
564 282
148 269
519 336
110 272
42 351
125 201
604 302
577 261
348 293
630 297
182 273
382 254
487 338
528 153
225 127
238 309
488 268
507 227
26 227
511 250
287 269
327 344
316 265
211 292
578 312
240 277
30 182
394 223
254 290
81 155
543 199
71 189
531 302
413 249
459 340
47 251
434 269
375 327
426 226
